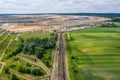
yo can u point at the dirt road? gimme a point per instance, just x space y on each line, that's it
38 63
54 73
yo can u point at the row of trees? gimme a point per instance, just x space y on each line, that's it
11 75
27 69
116 19
31 70
110 25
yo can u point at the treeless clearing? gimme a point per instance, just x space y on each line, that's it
48 23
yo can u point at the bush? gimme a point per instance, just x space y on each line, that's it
13 77
6 70
39 52
30 70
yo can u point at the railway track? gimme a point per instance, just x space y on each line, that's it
61 59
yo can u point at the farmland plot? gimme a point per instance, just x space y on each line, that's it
94 54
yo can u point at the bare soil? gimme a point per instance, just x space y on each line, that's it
48 23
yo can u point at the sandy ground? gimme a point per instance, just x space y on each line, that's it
48 23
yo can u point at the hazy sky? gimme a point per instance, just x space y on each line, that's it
59 6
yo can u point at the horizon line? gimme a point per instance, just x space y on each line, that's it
65 13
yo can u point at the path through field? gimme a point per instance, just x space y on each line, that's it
1 57
3 64
54 73
27 77
4 38
6 49
66 59
37 63
2 33
1 68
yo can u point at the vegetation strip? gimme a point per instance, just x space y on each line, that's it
1 68
4 38
6 49
35 63
21 75
66 59
54 71
2 33
3 64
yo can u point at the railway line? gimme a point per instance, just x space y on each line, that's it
60 66
61 59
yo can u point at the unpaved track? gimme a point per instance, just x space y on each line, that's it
2 33
37 63
4 38
27 77
3 64
6 49
66 61
17 37
42 77
54 73
1 68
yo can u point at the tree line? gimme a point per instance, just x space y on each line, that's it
110 25
116 19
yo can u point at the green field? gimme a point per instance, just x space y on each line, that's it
94 54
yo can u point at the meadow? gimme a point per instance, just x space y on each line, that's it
94 54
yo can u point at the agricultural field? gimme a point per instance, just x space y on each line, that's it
19 64
94 54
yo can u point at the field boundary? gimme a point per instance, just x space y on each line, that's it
66 60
